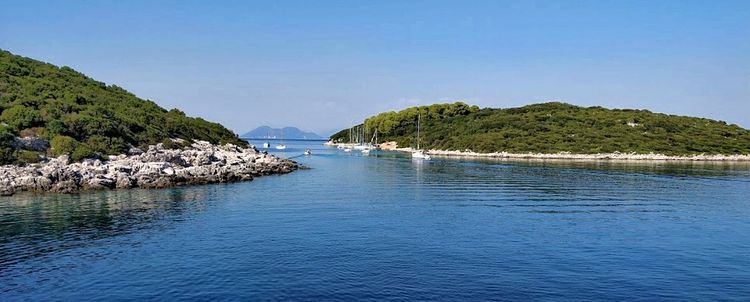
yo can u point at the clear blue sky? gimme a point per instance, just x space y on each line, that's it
319 65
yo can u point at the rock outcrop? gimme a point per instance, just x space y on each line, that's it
201 163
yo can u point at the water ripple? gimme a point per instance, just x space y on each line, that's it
385 227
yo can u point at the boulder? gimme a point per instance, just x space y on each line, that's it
33 143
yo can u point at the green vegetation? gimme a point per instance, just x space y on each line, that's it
83 117
556 127
62 144
27 157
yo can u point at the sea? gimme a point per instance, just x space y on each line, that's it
385 227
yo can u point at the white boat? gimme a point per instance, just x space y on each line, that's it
418 153
267 144
348 148
281 146
374 140
308 152
365 151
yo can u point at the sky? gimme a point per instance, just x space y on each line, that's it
323 65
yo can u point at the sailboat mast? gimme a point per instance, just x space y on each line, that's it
419 121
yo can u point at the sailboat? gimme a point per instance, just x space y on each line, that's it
267 145
370 146
281 146
418 153
360 139
374 140
348 148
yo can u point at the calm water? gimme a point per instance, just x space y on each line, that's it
388 228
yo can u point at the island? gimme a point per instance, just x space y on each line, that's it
62 131
266 132
556 130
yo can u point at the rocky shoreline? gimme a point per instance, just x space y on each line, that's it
158 167
599 156
391 146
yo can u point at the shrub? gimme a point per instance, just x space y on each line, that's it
20 117
106 145
27 157
82 152
62 144
167 143
35 131
6 146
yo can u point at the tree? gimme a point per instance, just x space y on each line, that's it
19 117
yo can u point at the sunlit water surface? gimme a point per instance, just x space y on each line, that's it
384 227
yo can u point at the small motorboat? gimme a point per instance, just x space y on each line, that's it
308 152
365 151
266 145
347 149
281 147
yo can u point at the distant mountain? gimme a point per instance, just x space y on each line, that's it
288 133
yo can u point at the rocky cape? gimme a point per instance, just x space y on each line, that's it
158 167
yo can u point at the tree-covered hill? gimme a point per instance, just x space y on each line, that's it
556 127
85 117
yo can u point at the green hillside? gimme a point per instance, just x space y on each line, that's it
554 128
84 117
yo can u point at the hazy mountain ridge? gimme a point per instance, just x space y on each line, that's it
278 133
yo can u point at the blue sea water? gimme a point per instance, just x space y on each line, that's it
385 227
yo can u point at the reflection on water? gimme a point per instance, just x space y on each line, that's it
386 227
37 224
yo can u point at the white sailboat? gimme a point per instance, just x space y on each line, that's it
281 146
348 148
369 146
418 153
267 145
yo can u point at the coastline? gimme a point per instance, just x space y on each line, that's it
591 157
571 156
199 163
